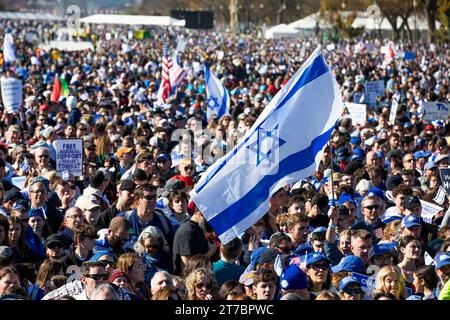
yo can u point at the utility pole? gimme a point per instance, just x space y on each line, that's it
233 15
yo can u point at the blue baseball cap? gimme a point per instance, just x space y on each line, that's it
359 152
442 259
314 257
377 192
347 281
319 230
389 219
349 264
421 154
429 165
411 221
37 212
100 254
303 249
381 249
293 278
346 197
163 156
355 140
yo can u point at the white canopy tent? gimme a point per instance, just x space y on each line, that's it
133 20
363 19
280 31
29 16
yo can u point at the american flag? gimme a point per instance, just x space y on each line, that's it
166 88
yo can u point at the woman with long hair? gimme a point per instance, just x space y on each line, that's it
202 285
16 237
4 228
47 270
390 280
134 267
410 249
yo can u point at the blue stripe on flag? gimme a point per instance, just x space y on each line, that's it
253 199
223 106
317 68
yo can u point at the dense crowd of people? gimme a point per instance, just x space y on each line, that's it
126 229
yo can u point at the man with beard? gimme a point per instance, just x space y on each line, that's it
115 238
145 214
190 240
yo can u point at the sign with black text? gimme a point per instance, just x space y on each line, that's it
445 178
69 157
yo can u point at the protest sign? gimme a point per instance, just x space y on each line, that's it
435 111
429 210
445 178
11 94
357 112
181 45
373 89
69 156
393 113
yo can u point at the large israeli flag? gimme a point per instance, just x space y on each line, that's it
218 99
9 51
284 145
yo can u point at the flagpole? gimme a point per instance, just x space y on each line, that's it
331 167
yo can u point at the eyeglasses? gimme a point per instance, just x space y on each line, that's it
97 277
150 197
201 285
188 168
353 291
74 216
320 267
373 207
38 191
43 156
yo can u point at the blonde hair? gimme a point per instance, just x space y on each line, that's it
193 278
389 271
328 296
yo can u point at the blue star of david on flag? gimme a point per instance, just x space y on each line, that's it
266 145
212 103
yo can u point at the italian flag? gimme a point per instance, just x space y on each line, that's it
60 89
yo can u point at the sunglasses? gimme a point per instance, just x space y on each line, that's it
374 207
188 168
320 267
98 277
201 285
353 291
150 198
55 246
106 263
43 156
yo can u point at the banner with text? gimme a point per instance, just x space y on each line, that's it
445 178
435 111
374 89
69 157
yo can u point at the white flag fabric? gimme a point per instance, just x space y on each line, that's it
218 99
283 146
9 51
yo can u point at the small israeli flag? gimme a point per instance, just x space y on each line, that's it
218 99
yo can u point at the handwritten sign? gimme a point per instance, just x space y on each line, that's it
357 112
11 94
373 89
69 157
429 210
435 111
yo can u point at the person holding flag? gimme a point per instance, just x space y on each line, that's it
284 145
165 89
218 98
